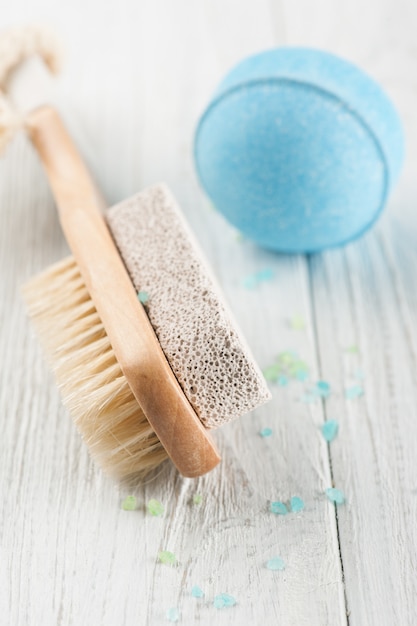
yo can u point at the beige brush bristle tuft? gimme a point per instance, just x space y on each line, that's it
93 387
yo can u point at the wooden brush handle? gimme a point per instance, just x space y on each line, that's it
131 335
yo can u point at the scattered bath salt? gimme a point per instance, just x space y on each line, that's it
302 375
276 564
297 504
287 366
224 600
335 495
173 614
155 508
352 349
265 432
356 391
129 503
250 282
297 322
359 374
279 508
143 297
329 430
253 280
298 370
286 357
265 274
322 389
197 592
197 498
167 558
272 373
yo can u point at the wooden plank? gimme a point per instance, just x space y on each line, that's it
360 298
364 295
136 86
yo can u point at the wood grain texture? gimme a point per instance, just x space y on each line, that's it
364 295
69 555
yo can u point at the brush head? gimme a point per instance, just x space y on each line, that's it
194 326
92 385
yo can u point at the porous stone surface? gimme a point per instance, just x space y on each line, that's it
197 333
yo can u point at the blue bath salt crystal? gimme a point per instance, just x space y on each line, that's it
276 564
335 495
173 614
197 592
282 381
143 297
265 432
224 600
265 274
323 388
250 281
356 391
297 504
329 430
279 508
302 375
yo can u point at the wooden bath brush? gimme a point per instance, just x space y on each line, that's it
144 350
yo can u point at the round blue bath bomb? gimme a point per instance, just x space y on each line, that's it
299 149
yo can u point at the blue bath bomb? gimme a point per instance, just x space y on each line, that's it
299 149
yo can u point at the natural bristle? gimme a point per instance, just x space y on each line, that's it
93 387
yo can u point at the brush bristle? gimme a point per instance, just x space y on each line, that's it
93 387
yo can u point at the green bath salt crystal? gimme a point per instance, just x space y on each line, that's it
272 372
297 322
279 508
129 503
167 558
155 508
276 564
352 349
335 495
197 499
224 600
329 430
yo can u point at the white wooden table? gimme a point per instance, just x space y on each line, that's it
137 76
